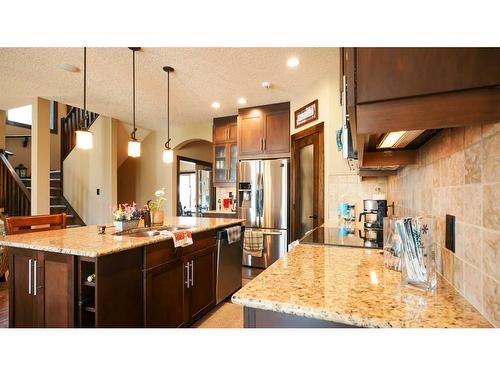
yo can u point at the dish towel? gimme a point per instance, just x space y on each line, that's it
181 238
253 243
233 234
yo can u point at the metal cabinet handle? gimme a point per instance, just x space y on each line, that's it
187 275
34 278
29 276
192 272
264 142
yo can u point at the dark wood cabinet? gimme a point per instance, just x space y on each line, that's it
392 89
164 295
225 154
42 289
264 131
200 290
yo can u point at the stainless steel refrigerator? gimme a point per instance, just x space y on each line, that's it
263 203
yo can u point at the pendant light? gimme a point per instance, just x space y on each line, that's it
168 153
134 146
83 135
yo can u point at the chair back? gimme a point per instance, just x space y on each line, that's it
38 223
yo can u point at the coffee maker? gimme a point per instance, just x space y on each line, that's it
374 211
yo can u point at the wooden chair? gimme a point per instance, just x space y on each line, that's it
25 224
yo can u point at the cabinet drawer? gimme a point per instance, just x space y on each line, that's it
164 251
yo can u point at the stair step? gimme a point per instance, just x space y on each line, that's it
58 206
73 226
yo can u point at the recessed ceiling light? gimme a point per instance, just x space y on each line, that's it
293 62
242 101
68 67
216 105
266 84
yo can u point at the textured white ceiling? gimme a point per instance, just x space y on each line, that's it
202 75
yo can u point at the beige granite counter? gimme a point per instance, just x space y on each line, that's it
219 212
85 241
352 286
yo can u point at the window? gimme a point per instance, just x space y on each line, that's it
22 116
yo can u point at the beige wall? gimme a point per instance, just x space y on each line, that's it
3 117
88 170
126 177
458 174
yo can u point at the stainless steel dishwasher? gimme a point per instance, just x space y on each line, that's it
228 265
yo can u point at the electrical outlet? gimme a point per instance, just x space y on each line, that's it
98 191
450 233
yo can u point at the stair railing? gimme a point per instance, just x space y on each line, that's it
69 125
15 199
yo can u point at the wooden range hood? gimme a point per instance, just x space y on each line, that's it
394 89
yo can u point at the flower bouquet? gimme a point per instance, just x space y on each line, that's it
155 205
126 216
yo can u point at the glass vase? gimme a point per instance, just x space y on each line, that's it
392 244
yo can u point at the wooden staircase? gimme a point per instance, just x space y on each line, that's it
58 203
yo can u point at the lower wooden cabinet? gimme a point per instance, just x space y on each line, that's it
164 295
200 292
41 290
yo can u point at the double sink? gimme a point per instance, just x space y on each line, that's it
157 231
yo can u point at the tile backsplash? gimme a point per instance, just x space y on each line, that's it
458 174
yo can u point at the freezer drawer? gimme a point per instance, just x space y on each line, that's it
275 245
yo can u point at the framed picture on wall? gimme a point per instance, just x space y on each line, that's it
306 114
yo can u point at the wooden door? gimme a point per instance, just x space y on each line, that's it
277 137
307 180
55 290
201 293
251 134
163 295
21 297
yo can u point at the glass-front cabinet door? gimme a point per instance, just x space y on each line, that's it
233 162
220 163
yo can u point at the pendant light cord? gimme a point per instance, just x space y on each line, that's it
84 88
167 144
133 92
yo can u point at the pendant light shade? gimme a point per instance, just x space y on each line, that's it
84 137
134 146
168 153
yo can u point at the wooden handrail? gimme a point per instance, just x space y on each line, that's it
69 125
14 197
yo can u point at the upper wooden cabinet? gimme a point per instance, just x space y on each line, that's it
390 89
264 131
225 129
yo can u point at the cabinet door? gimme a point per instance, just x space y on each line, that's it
232 132
21 297
220 163
251 135
163 294
202 289
220 133
232 162
54 281
277 138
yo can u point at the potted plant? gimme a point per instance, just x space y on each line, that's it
157 214
126 216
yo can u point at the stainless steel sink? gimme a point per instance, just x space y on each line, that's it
171 228
148 233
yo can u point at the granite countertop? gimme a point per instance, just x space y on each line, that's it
226 212
352 286
85 241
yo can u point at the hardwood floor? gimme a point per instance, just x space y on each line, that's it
4 305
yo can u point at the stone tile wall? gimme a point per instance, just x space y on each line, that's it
458 174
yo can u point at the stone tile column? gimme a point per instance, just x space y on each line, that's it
40 157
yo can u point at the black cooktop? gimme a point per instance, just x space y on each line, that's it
339 236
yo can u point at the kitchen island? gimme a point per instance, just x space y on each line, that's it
140 281
333 286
